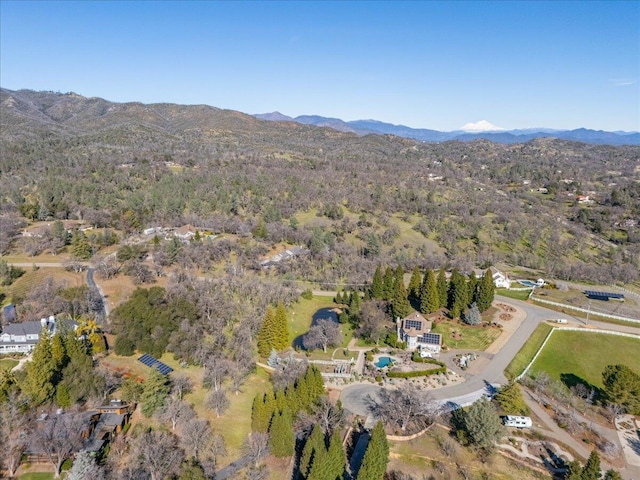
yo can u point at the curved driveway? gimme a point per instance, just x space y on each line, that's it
355 397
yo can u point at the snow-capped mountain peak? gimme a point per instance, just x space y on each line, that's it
481 126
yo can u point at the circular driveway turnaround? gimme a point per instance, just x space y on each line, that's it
356 397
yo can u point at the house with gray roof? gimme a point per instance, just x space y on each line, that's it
23 337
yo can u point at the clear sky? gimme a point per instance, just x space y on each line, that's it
424 64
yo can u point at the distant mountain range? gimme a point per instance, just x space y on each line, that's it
471 131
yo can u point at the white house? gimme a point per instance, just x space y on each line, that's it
22 337
500 280
415 331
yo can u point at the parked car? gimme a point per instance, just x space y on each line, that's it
517 421
562 320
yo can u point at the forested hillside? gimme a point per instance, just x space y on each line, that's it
355 202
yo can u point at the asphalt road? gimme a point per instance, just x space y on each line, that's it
355 397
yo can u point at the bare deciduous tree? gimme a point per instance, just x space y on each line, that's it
256 446
157 453
324 333
174 411
14 434
181 384
328 416
59 437
218 401
410 406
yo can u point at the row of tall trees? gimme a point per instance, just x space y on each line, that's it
274 332
428 291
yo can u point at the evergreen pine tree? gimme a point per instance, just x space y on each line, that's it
80 246
573 472
336 458
388 284
155 391
612 475
313 451
510 399
354 303
281 438
281 329
414 284
261 413
591 469
457 294
486 291
41 371
400 306
429 297
472 317
472 285
377 286
443 288
281 402
315 384
376 456
266 334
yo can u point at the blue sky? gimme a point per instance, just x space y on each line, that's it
423 64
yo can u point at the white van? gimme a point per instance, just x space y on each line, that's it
562 320
517 421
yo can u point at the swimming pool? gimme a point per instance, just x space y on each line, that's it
384 362
527 283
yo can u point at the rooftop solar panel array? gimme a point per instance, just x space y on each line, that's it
431 338
417 324
152 362
603 295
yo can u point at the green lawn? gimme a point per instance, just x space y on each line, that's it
7 364
571 356
37 476
528 350
472 338
516 294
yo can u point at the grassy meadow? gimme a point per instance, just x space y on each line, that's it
582 356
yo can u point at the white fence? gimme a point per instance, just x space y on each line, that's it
572 329
584 310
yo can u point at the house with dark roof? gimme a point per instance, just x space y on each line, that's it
23 337
415 331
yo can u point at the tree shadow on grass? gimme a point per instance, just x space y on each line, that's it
571 380
322 313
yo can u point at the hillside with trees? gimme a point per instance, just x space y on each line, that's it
354 202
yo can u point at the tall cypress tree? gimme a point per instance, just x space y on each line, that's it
261 412
155 391
457 295
429 295
377 286
313 451
486 291
400 306
376 457
472 285
354 303
414 284
388 284
41 371
281 438
281 329
443 288
266 334
591 469
336 458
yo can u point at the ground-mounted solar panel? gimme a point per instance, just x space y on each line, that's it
153 362
431 338
603 295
